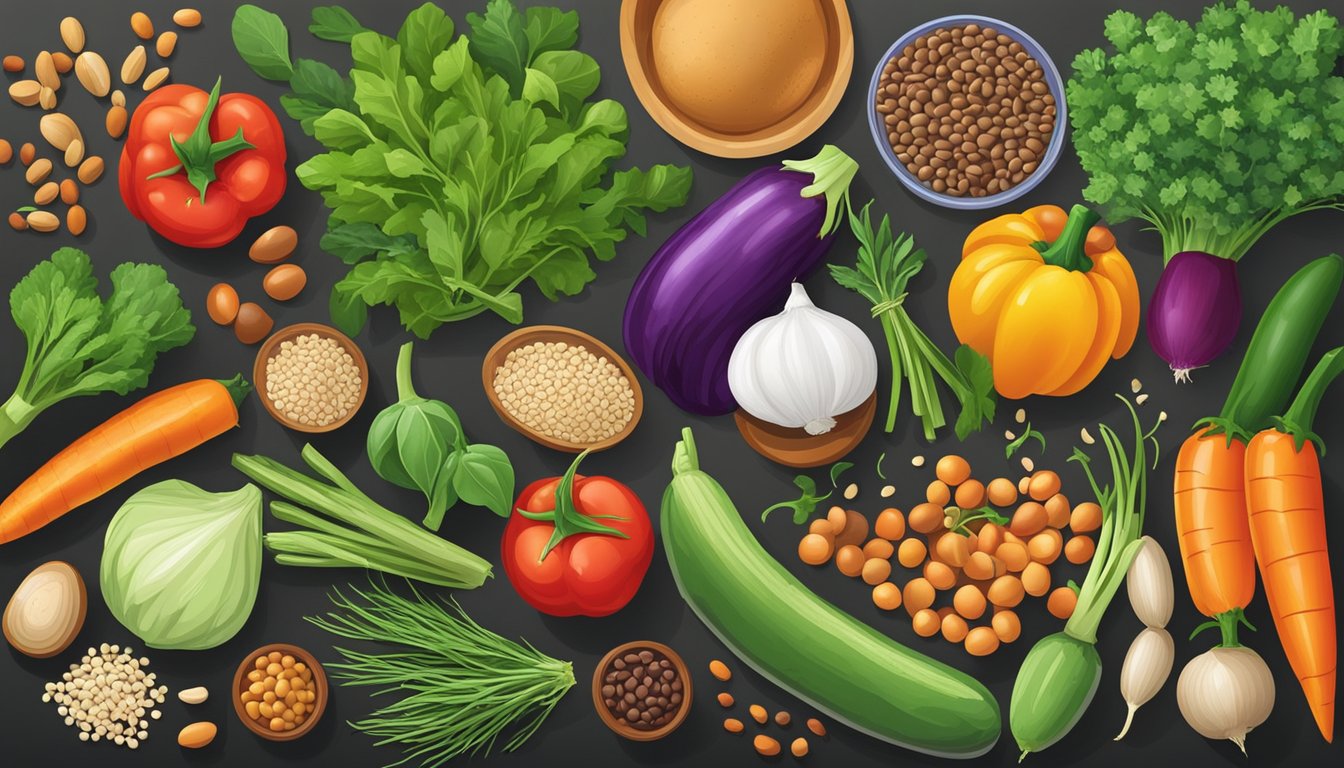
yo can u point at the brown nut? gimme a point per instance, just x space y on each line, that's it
13 64
17 222
47 193
222 304
38 171
63 62
142 26
90 170
76 219
91 71
74 154
284 282
27 152
43 221
69 192
197 735
275 244
116 121
6 152
72 34
166 44
252 324
25 93
44 69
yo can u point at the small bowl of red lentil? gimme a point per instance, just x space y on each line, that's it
280 692
968 111
311 377
642 690
562 388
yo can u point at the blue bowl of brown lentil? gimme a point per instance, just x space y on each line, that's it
924 189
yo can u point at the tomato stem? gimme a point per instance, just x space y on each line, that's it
1068 249
567 518
199 154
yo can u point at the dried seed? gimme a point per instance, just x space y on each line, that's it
815 726
38 171
782 719
44 69
118 98
1087 436
25 92
59 130
17 222
155 78
92 73
166 44
187 17
720 671
732 725
13 64
917 461
766 745
799 747
1020 416
1135 386
47 99
27 152
142 26
1028 464
851 490
116 121
74 154
69 192
62 61
134 65
196 695
1141 399
76 219
43 221
72 34
90 170
6 152
888 491
46 193
1008 435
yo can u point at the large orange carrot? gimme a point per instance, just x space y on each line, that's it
1287 515
1211 525
159 427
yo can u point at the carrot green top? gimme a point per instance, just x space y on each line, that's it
1298 421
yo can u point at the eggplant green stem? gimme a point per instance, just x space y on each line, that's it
199 154
567 518
1301 415
832 171
1068 249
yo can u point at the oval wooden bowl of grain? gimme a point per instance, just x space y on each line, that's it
271 347
548 334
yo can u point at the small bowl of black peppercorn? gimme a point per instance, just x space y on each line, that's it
642 690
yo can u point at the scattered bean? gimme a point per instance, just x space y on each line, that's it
76 220
725 700
221 304
766 745
187 17
799 747
275 244
252 324
142 26
732 725
720 671
758 713
197 735
284 282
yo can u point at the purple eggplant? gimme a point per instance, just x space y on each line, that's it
1195 311
727 268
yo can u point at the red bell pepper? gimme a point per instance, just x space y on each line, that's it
197 166
562 560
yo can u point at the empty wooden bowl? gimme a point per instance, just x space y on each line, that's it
620 726
549 334
738 78
796 448
272 345
319 684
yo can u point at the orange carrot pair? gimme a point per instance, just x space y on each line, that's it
159 427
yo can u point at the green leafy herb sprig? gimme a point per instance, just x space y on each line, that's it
805 505
1016 444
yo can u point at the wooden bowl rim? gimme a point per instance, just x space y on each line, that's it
269 346
531 333
784 134
753 431
683 671
319 678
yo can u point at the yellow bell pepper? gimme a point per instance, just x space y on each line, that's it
1046 297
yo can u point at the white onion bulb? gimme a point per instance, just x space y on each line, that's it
1225 692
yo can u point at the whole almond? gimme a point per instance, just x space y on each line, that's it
187 17
25 92
196 695
155 79
116 121
13 63
76 219
62 62
142 26
69 192
43 221
275 244
166 44
27 152
197 735
90 170
72 34
74 154
59 130
6 151
118 98
46 98
47 193
38 171
44 69
17 222
92 73
134 65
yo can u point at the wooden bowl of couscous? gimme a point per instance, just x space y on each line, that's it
562 388
300 400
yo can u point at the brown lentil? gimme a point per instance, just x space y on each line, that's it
732 725
109 696
564 391
799 747
720 671
13 63
725 700
782 719
815 726
312 380
280 692
968 111
6 152
766 745
758 713
644 690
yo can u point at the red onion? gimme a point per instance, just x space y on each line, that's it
1195 311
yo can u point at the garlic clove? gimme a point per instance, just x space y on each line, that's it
1146 669
1149 584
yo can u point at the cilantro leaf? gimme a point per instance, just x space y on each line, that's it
1021 440
804 505
837 469
334 23
262 41
978 401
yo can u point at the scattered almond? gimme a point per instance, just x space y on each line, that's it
118 98
142 26
13 63
47 193
732 725
59 130
38 171
155 78
196 735
17 222
62 61
90 170
6 152
116 121
92 73
72 34
720 671
74 154
25 92
43 221
46 98
187 17
814 725
134 65
725 700
766 745
758 713
69 192
166 44
276 244
76 219
44 68
196 695
27 152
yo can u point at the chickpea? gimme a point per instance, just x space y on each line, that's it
887 596
257 688
1002 492
926 623
1006 625
273 669
275 656
954 628
938 493
1061 602
856 529
878 548
1086 517
814 549
849 559
940 575
261 662
1028 520
982 641
917 595
1023 485
911 553
837 518
267 711
969 602
1035 579
970 494
1057 511
989 538
821 526
277 724
927 518
1006 591
1013 555
979 566
953 549
287 661
953 469
890 524
1079 549
758 713
253 709
875 571
1043 485
1044 547
282 688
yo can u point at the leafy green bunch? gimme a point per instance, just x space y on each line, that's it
459 168
1216 132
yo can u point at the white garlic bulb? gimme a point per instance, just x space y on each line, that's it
802 367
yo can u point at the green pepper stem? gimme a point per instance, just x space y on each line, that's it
832 171
567 518
1068 249
1298 421
405 388
199 155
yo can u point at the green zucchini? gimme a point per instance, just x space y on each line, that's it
805 645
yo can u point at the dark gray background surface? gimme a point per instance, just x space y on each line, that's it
447 368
